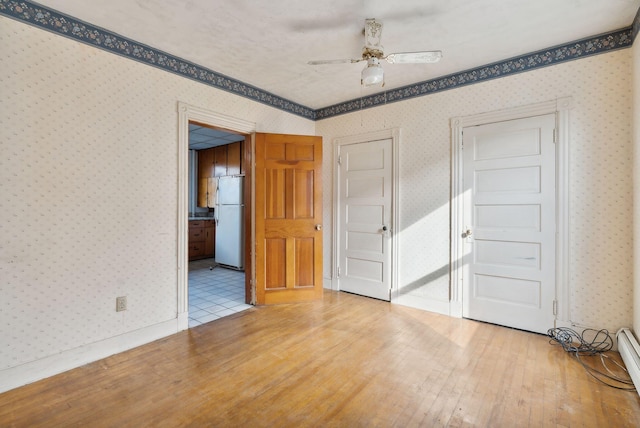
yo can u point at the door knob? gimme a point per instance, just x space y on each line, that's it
466 233
318 227
384 228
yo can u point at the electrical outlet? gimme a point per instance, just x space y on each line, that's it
121 303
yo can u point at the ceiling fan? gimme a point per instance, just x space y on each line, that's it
373 53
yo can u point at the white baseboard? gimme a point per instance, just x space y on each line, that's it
327 283
183 321
33 371
425 304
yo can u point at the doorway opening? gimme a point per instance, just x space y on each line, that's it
226 127
216 280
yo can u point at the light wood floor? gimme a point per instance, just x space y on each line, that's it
347 361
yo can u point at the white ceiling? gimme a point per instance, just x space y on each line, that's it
268 44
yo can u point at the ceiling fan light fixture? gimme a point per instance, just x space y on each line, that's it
373 73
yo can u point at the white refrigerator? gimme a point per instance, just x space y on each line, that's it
229 214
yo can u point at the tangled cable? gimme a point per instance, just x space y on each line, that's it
571 341
579 346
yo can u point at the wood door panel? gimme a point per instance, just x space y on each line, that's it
275 186
288 208
304 262
303 194
301 152
275 151
275 263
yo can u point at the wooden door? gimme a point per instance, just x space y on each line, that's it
510 217
288 209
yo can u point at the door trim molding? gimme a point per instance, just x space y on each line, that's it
188 113
561 108
394 135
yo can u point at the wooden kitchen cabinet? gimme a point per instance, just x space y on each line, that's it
201 239
209 238
216 162
206 162
207 188
196 239
220 165
234 157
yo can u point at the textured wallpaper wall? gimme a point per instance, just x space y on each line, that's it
88 178
600 179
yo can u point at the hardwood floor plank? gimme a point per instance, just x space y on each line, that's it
344 361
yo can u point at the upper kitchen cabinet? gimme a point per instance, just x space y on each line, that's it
220 165
206 162
234 158
216 162
206 187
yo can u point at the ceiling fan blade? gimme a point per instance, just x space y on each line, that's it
334 61
425 57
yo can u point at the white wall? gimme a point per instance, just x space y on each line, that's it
88 212
636 193
600 179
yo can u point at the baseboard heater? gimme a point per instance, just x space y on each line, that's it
630 352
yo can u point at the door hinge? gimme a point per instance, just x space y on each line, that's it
555 136
339 160
555 307
338 271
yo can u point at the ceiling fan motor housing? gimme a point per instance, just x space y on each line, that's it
372 53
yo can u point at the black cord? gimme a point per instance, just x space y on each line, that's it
580 346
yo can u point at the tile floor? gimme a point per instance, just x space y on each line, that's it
214 293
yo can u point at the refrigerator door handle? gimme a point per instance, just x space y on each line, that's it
216 210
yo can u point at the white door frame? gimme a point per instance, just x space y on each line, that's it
560 107
187 113
394 135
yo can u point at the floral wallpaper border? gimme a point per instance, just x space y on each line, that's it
67 26
591 46
75 29
635 26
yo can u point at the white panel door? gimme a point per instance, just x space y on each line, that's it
510 223
365 186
